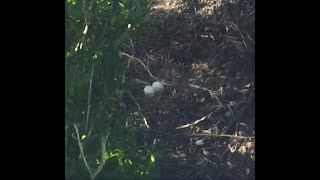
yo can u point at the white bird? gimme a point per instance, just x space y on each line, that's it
158 86
149 91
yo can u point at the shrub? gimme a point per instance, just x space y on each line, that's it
94 81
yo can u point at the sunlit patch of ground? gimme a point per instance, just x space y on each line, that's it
199 7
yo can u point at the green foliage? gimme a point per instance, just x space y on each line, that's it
129 161
94 33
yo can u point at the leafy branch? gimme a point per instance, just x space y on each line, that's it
93 173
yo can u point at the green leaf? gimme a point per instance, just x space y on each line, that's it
97 161
95 56
83 137
121 4
69 54
106 156
152 158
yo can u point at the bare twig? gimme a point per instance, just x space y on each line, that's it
102 159
136 80
241 35
251 12
251 39
204 134
81 151
89 99
93 173
212 93
130 47
149 57
197 121
223 135
132 57
143 117
88 8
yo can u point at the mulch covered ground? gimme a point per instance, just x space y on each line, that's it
204 53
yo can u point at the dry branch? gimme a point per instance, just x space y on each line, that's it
132 57
95 172
143 117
